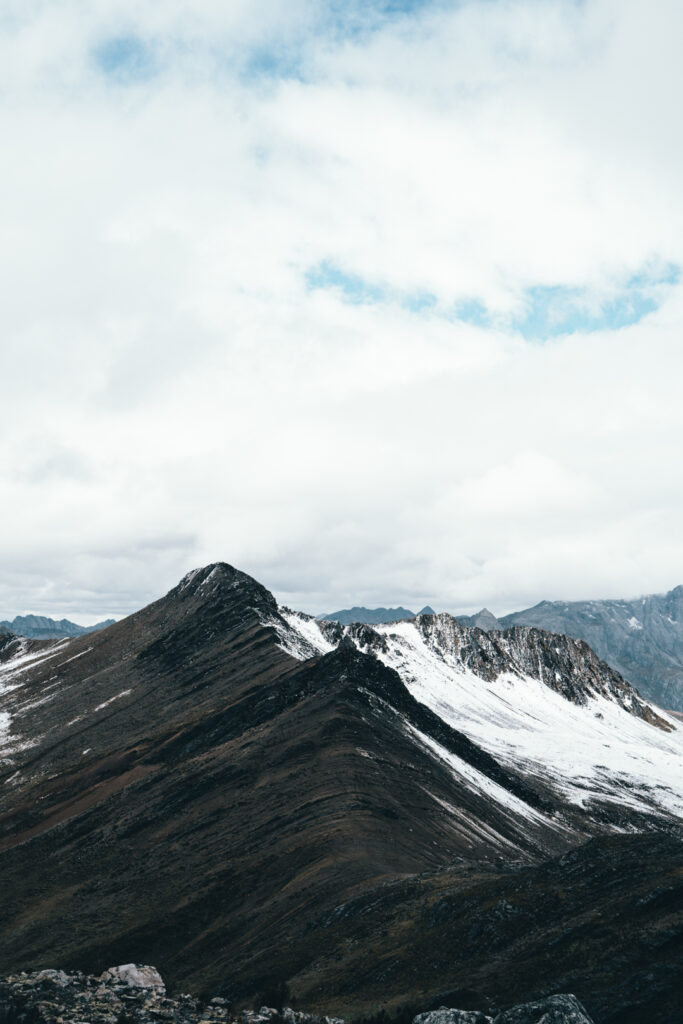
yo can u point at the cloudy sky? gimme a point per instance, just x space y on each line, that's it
379 301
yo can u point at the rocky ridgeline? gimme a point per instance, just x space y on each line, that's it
136 994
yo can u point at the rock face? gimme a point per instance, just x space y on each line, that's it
642 639
252 800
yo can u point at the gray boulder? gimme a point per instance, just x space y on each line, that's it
445 1016
559 1009
135 976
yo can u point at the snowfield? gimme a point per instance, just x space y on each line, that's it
597 751
593 751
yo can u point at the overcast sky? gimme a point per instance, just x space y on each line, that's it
378 301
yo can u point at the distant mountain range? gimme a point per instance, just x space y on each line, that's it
373 616
642 639
39 627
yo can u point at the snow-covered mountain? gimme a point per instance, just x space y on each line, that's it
539 702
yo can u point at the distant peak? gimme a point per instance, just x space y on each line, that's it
427 610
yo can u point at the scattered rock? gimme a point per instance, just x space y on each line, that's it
135 994
128 994
58 977
559 1009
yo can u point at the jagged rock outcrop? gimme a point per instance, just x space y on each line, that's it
7 640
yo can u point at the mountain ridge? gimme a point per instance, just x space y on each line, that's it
647 653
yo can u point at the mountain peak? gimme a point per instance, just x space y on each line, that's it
217 581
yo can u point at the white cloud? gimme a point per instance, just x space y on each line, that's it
175 393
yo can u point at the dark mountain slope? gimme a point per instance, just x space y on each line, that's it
604 921
196 794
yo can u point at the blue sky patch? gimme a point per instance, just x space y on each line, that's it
554 310
355 290
472 311
350 287
547 310
273 62
125 58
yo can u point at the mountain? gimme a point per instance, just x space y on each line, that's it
370 615
410 813
483 620
642 639
40 627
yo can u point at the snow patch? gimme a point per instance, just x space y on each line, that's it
106 703
79 655
634 623
187 578
300 635
24 660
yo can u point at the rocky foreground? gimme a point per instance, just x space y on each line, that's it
136 994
